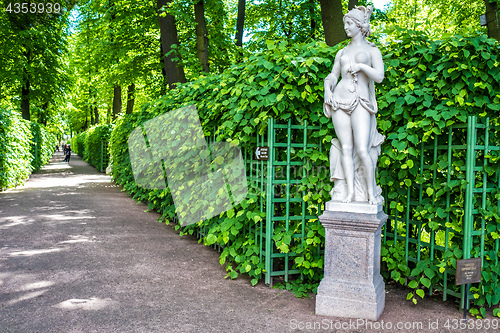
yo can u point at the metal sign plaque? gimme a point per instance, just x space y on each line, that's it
482 20
468 271
262 153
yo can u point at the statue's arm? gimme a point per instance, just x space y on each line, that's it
331 80
374 72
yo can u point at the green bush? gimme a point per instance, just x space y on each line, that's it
88 144
45 144
429 85
78 143
24 147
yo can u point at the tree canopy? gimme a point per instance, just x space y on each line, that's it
94 59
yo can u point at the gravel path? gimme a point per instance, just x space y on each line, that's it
79 255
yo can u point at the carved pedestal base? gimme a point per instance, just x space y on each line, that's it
352 286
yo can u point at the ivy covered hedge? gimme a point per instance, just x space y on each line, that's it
88 144
429 85
24 147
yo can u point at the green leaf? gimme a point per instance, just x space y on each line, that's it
426 282
210 239
420 293
429 273
413 284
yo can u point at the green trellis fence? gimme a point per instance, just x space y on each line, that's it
280 178
104 156
458 165
458 182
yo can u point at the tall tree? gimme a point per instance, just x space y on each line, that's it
117 100
201 35
333 25
25 86
492 19
169 37
130 98
33 46
240 22
117 89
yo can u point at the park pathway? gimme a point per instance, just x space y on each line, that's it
79 255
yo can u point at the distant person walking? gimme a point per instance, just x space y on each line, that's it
67 153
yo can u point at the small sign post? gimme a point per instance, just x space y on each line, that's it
262 153
468 271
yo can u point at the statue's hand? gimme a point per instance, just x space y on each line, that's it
354 68
328 96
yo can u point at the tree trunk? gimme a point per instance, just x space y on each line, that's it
25 102
164 84
130 98
169 37
201 35
492 19
312 7
240 22
25 89
96 114
333 25
91 111
117 101
352 3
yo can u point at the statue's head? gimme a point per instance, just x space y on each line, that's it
361 17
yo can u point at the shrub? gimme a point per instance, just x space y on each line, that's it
88 145
24 147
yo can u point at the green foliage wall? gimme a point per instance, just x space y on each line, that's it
24 146
45 144
429 85
88 144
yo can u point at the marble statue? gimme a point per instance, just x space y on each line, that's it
352 106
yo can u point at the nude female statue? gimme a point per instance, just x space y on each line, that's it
352 106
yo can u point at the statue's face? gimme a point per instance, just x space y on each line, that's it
351 29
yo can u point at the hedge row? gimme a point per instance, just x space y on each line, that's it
24 147
429 85
88 144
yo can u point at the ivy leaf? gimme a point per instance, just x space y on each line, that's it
413 284
426 282
210 239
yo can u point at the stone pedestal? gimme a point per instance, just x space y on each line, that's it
352 286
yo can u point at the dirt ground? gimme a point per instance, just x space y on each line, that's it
78 255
